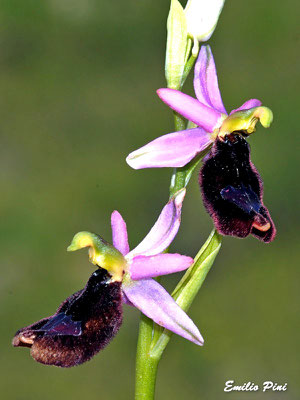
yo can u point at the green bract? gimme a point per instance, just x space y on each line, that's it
177 44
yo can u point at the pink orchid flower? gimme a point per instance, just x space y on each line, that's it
206 111
88 320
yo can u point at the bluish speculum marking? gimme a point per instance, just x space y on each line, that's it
62 324
243 197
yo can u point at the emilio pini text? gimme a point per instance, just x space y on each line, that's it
267 386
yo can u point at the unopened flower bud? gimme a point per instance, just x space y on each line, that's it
202 17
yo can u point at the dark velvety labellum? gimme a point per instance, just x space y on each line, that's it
232 190
83 324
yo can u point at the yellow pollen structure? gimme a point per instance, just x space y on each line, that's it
246 120
101 253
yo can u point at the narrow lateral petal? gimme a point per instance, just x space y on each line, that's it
199 113
248 104
172 150
119 233
164 229
154 301
143 267
206 81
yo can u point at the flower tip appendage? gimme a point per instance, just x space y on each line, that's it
265 115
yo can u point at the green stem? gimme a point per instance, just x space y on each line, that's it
146 364
153 339
179 122
187 69
181 176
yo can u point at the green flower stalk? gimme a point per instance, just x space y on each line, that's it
179 62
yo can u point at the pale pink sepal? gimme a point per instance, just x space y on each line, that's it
190 108
143 267
154 301
172 150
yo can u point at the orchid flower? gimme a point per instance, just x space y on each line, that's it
238 209
86 321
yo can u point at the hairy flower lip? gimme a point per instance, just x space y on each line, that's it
83 324
232 190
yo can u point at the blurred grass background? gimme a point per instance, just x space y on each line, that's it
78 81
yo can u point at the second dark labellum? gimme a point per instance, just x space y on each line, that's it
83 324
232 190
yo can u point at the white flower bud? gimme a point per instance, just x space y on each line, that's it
202 17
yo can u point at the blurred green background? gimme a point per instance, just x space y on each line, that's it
78 81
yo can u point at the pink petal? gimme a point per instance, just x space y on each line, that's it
202 115
171 150
248 104
119 233
164 230
143 267
206 81
154 301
